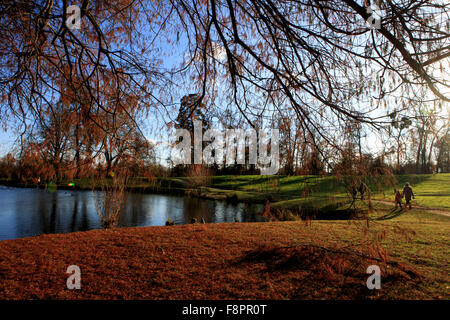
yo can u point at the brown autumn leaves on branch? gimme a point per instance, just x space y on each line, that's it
315 59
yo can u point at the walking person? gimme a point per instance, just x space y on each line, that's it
398 199
408 193
363 189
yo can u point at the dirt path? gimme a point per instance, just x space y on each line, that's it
442 212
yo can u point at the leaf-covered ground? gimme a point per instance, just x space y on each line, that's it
274 260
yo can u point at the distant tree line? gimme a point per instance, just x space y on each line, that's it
62 145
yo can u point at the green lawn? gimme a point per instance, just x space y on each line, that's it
430 190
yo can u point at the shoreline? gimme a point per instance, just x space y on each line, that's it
230 196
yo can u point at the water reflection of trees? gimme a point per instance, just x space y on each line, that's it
36 211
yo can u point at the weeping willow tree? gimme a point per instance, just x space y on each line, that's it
110 198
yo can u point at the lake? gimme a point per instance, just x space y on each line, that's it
26 212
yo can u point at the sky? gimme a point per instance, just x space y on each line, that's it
6 142
155 121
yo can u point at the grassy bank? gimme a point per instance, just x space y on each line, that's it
430 190
274 260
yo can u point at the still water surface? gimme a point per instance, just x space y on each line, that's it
26 212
